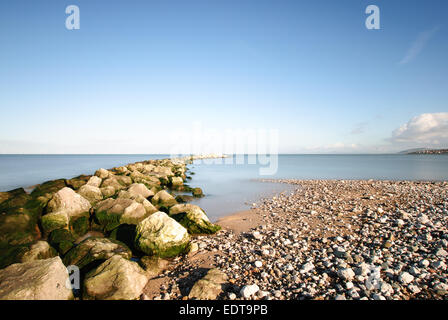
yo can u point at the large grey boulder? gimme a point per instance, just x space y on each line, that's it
102 173
147 180
108 192
36 280
111 213
65 206
163 199
94 181
113 182
149 207
140 189
161 236
69 201
115 279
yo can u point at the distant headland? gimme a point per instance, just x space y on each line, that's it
425 151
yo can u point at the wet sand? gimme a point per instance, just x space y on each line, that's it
242 221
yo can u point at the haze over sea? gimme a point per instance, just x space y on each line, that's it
231 187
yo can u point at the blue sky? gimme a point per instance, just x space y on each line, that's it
138 70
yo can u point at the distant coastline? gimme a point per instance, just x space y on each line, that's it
425 151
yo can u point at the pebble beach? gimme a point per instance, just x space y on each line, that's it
328 239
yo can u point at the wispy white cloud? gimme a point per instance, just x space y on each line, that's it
430 129
359 128
418 45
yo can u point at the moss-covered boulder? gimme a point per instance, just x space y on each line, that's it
93 250
124 180
161 236
197 192
19 216
94 181
77 182
62 240
25 253
115 279
121 170
176 182
10 254
102 173
108 192
64 209
48 188
13 202
35 280
110 213
184 198
193 218
112 182
148 180
163 199
18 228
79 226
91 193
55 220
11 194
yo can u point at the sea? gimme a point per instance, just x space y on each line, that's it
233 184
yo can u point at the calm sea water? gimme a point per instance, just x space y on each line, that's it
232 187
27 170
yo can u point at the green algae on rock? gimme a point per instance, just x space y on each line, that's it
95 249
62 240
163 198
161 236
64 208
25 253
197 192
110 213
193 218
77 182
91 193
